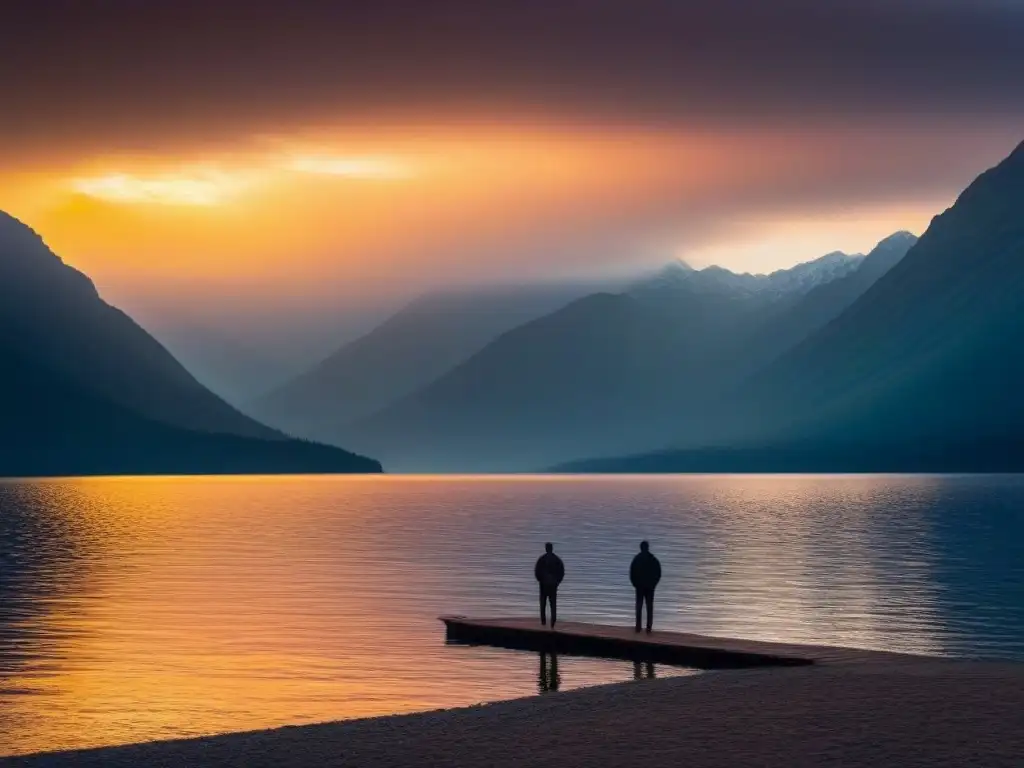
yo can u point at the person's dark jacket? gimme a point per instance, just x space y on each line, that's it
645 571
549 570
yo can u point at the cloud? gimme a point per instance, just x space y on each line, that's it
136 73
205 187
218 149
351 167
191 184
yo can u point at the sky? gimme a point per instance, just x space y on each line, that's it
311 164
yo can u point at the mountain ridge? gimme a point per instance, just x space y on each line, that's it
924 369
595 372
54 312
87 391
800 277
410 349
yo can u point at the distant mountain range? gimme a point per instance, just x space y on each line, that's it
408 351
907 358
607 371
454 383
922 372
86 390
781 283
236 366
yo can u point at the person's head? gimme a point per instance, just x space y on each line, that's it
644 546
549 547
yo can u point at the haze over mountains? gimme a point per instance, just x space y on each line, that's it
923 372
907 358
408 351
86 390
610 370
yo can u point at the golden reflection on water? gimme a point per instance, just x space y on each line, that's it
837 566
198 605
141 608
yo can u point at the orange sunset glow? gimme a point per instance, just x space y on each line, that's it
329 156
308 217
419 382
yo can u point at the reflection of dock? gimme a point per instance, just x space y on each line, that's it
701 651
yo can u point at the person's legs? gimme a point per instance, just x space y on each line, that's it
639 607
553 597
543 605
649 599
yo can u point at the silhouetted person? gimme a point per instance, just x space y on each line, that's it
548 678
644 575
549 572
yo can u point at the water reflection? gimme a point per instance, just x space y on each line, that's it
44 555
643 670
134 609
977 568
548 679
836 556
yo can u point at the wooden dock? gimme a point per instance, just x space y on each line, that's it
700 651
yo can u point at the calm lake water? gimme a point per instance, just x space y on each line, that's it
135 609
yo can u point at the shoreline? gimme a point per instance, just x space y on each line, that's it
922 713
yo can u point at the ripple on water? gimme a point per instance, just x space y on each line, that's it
142 608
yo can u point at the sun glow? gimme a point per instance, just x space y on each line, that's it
351 167
196 187
210 185
763 244
338 216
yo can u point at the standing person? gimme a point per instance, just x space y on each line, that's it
549 572
644 575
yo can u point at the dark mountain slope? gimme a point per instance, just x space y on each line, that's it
925 370
86 391
785 323
50 426
52 313
930 349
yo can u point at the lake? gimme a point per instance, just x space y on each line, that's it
142 608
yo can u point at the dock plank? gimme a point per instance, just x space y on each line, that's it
701 651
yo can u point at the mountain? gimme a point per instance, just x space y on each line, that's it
601 372
793 281
237 368
922 372
408 351
790 320
86 390
242 353
52 426
811 274
52 313
546 388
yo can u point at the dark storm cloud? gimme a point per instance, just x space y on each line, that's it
152 70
